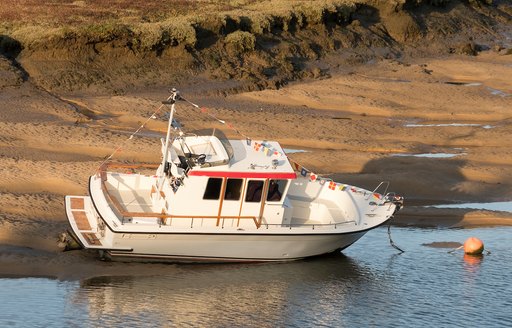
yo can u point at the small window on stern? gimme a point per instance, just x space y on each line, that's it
213 188
233 189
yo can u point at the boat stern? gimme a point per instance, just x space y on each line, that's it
88 228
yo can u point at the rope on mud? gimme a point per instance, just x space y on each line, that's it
391 240
487 252
456 249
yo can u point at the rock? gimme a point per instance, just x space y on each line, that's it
505 52
468 48
402 27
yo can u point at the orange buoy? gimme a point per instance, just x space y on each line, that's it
473 246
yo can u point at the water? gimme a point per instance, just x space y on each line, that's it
292 151
496 92
430 155
493 206
371 285
413 125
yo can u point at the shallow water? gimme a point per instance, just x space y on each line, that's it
414 125
292 151
496 92
370 285
430 155
493 206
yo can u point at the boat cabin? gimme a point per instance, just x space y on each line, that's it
239 182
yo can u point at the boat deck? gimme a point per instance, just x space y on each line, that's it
133 200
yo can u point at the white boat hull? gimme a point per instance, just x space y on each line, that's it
229 247
168 243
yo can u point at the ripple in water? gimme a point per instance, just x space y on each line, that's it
370 285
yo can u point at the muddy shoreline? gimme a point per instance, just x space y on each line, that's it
365 112
350 124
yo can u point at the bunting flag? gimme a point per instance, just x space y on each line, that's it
248 141
322 181
296 166
312 177
332 185
353 189
303 172
257 146
342 187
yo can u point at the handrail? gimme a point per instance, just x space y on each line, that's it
114 202
298 225
104 167
376 188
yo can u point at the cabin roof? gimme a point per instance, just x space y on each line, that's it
247 160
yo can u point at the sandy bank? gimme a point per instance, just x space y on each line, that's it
351 125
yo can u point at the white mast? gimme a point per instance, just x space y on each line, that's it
175 95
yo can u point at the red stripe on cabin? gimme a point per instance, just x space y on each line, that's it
256 175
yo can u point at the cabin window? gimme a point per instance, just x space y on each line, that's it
213 188
276 189
254 189
233 189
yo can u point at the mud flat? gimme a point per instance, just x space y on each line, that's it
351 125
352 120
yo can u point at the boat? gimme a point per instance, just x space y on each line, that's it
213 199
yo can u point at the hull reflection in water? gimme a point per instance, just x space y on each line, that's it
226 295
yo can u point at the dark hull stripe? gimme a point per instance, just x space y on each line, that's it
195 259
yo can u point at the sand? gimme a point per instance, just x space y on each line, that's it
351 124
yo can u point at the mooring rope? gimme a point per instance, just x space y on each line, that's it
456 249
391 240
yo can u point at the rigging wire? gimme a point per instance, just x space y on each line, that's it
297 166
121 145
